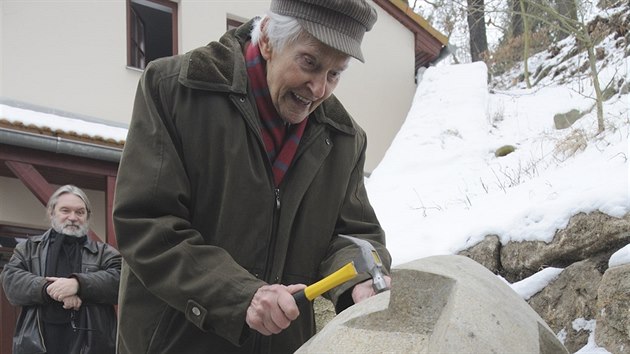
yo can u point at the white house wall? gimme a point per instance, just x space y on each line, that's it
71 56
205 21
68 55
379 92
1 47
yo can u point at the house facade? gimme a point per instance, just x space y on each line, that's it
81 61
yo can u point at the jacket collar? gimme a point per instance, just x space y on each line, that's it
89 244
220 66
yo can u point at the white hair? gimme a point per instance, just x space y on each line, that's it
68 188
61 227
281 30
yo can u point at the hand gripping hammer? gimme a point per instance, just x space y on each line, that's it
368 262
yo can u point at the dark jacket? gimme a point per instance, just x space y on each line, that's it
199 222
23 282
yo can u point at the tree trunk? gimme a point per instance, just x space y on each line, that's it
526 34
568 9
517 18
599 98
477 29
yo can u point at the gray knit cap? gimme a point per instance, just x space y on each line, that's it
340 24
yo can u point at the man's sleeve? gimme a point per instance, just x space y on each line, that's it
21 287
152 219
100 285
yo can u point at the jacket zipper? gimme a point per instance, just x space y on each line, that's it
272 241
240 104
270 252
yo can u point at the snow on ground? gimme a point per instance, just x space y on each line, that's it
441 189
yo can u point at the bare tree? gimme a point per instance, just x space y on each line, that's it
568 9
526 35
448 16
516 22
579 29
477 29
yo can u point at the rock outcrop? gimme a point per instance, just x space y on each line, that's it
613 315
587 289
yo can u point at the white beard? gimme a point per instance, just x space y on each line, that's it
70 229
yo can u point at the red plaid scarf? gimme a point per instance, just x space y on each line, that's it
280 144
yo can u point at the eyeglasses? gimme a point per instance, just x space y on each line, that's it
73 324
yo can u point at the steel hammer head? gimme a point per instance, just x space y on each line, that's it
369 262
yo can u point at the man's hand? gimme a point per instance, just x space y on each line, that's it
273 308
72 302
364 290
62 288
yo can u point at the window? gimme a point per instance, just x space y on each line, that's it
10 236
151 31
233 21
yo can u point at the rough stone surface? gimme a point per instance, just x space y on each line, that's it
487 253
586 290
585 235
440 304
565 120
580 291
613 318
504 150
572 295
324 312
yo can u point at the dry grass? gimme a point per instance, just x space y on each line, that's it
574 142
510 52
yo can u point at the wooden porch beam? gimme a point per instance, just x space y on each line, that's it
60 161
32 179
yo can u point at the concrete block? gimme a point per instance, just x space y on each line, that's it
440 304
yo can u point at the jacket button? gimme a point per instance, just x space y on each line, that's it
242 99
195 311
327 141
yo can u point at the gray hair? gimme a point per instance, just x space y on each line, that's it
281 30
68 188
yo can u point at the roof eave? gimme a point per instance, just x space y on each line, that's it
428 41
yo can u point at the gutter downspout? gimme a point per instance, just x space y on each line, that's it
60 145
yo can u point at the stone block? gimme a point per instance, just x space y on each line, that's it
439 304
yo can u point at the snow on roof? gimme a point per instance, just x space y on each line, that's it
60 125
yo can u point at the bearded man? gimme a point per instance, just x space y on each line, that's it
66 283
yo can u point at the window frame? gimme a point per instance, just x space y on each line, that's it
232 22
133 60
15 232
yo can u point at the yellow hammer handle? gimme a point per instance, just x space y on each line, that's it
339 277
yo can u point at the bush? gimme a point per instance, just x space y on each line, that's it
510 52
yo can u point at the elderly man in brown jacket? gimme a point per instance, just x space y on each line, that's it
239 172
